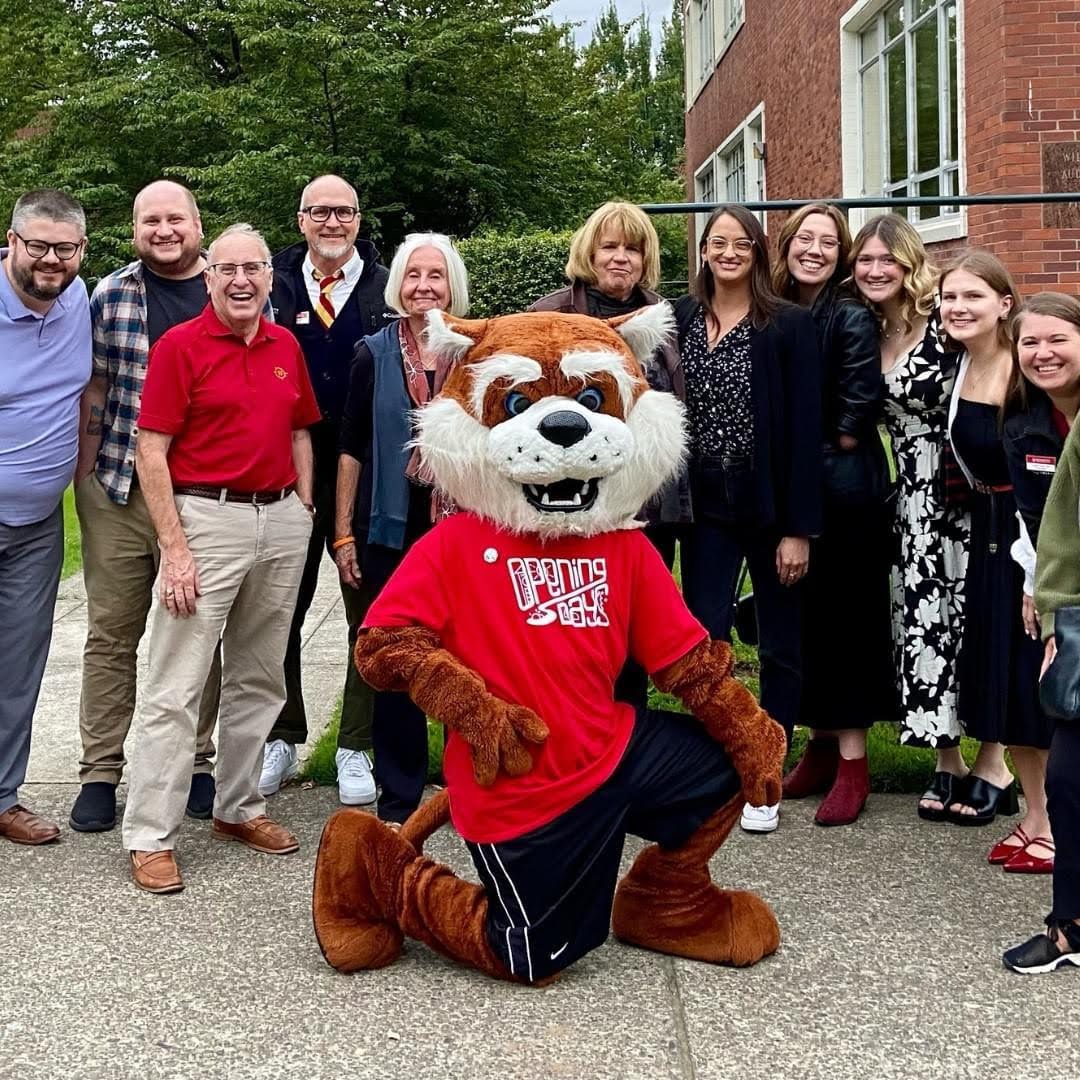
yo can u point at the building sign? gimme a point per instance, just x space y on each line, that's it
1061 172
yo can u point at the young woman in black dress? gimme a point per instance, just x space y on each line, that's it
846 594
751 364
998 666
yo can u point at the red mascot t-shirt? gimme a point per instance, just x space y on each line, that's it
546 625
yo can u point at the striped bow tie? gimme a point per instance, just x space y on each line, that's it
325 307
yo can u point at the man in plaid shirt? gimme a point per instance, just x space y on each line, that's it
130 309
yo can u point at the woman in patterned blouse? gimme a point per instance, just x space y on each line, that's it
752 373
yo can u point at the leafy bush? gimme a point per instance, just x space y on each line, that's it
508 273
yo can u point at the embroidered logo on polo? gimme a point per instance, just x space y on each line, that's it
573 592
280 372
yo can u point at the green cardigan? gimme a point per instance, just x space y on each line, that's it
1057 566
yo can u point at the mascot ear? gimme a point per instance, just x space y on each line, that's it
645 330
454 338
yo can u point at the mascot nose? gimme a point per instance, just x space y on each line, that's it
564 428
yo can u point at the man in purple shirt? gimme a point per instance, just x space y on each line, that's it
45 342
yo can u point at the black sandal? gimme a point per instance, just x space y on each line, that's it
940 790
986 799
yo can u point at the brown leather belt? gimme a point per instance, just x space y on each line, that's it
258 498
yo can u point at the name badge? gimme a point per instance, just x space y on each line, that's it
303 318
1040 464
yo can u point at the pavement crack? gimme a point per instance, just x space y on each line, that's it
678 1017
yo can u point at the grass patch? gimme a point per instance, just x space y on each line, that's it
72 536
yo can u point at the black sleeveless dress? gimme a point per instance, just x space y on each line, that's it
998 669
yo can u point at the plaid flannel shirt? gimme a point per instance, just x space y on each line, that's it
121 348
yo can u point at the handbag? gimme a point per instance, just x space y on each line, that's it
956 491
1059 688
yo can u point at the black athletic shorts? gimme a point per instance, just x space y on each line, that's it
550 891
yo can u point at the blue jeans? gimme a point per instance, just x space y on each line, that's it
711 557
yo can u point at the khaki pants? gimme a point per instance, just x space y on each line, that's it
249 560
120 563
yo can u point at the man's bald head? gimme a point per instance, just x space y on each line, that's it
329 187
167 230
164 189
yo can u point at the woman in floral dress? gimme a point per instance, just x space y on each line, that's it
891 272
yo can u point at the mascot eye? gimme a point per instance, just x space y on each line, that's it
591 399
516 403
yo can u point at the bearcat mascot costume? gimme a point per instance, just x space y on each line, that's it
509 623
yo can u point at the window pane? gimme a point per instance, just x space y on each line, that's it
923 6
927 98
894 20
735 174
929 187
954 111
873 165
896 69
868 42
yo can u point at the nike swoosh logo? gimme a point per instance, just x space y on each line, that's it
558 952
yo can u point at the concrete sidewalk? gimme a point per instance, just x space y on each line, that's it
890 966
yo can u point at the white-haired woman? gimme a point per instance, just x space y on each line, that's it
384 501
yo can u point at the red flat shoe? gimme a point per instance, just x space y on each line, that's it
1002 851
1023 862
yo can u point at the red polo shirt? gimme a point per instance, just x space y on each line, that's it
231 407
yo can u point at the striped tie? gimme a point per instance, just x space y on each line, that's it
325 308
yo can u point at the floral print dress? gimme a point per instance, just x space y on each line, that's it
932 551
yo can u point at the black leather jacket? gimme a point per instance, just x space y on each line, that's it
852 385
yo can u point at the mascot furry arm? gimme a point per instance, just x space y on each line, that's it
411 659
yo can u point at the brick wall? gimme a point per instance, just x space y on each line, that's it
1022 91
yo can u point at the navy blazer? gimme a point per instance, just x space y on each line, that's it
785 387
1031 434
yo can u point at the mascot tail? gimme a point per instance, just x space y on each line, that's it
427 819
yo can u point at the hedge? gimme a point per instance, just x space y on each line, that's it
508 273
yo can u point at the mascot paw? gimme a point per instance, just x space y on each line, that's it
357 875
507 728
717 926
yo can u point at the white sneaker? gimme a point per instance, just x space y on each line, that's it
355 782
760 818
280 763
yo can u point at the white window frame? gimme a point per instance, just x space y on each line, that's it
726 19
852 23
750 131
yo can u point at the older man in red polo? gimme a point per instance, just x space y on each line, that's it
225 462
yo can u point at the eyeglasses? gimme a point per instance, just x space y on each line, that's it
740 247
38 249
344 214
828 243
251 269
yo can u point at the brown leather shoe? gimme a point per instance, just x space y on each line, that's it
156 871
260 834
22 826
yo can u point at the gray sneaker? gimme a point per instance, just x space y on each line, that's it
280 763
355 781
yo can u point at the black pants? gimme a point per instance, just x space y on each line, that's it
400 727
550 891
357 699
1063 802
632 685
711 558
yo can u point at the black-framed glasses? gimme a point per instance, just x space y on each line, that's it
38 249
251 269
345 214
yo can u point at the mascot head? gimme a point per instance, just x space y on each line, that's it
546 424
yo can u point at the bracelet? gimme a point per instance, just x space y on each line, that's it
337 545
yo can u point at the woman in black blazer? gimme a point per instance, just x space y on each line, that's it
846 595
751 365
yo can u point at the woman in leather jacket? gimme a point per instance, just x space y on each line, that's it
846 599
